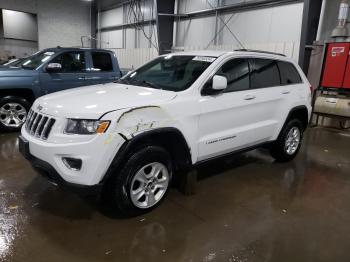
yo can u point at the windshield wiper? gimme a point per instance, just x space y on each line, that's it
122 81
138 82
150 84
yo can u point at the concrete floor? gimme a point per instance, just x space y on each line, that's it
247 208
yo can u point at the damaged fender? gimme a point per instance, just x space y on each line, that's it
140 119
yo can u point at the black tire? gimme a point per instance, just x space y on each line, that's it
278 149
17 100
118 187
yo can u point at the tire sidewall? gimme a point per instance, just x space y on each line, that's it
136 161
291 124
13 99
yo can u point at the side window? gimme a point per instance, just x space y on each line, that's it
71 62
264 73
289 74
102 61
237 73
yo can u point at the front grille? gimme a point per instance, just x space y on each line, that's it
39 125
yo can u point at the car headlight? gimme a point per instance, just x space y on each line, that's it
86 127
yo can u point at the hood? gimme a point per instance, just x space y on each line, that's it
92 102
8 71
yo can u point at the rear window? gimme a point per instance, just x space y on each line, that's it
264 73
102 61
289 74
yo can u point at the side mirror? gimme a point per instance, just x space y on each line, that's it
219 83
54 68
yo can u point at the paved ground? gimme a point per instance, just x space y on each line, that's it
247 208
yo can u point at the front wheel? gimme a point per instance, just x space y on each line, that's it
288 143
13 113
142 183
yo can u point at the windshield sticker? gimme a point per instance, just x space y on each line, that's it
204 59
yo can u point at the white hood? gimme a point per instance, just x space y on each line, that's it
92 102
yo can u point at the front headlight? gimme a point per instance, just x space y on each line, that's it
86 127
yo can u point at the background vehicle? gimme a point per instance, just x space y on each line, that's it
173 113
49 71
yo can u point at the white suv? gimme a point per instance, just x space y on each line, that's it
130 137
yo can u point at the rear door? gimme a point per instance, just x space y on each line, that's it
72 75
270 97
102 69
292 88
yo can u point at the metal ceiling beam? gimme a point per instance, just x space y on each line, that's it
129 25
236 8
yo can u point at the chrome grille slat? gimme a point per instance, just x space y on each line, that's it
35 118
45 129
39 125
39 129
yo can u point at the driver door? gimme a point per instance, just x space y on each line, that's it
225 116
73 73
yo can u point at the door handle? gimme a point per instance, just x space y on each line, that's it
249 97
92 78
285 92
82 78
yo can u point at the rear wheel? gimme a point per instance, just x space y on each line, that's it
13 113
288 143
142 183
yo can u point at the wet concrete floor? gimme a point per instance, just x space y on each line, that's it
247 208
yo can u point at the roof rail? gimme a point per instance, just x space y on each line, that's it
259 51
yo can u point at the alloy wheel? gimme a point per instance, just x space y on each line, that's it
149 185
13 115
292 140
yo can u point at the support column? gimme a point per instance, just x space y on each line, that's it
93 22
311 17
165 25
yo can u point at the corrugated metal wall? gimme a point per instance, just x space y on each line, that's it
275 29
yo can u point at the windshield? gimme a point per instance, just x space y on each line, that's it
15 62
36 60
172 72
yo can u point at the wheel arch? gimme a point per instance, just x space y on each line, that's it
25 93
300 113
170 138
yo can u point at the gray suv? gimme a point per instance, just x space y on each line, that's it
49 71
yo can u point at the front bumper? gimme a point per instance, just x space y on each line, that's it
47 171
47 158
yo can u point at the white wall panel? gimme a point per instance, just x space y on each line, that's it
112 39
60 22
111 17
130 38
186 6
195 32
144 39
133 58
20 25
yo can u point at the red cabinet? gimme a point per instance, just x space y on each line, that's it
336 70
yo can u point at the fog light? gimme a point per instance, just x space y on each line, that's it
72 163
